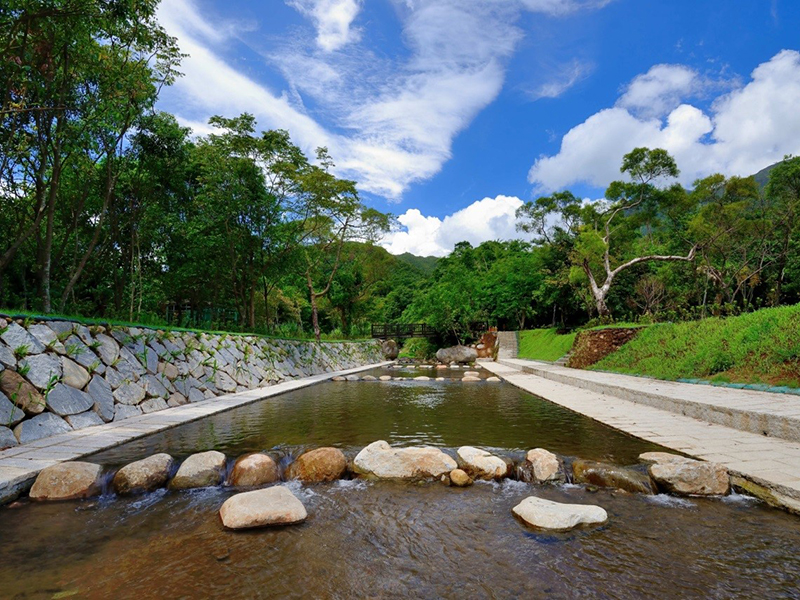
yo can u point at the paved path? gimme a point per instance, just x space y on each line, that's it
20 465
768 467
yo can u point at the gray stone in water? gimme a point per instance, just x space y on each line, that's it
125 411
7 439
129 393
143 475
10 414
17 337
153 405
64 400
40 426
108 348
43 369
606 475
103 398
200 470
85 419
542 466
352 378
74 374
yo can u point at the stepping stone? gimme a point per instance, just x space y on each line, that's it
262 508
67 481
556 516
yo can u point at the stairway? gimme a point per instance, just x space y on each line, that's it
507 344
562 362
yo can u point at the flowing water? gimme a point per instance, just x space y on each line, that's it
389 539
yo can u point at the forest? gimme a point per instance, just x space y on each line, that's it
110 208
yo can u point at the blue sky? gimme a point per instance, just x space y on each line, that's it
451 113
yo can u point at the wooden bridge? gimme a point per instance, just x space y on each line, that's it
386 331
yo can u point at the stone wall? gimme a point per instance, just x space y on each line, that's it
594 345
56 376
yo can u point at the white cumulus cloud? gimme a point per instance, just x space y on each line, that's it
745 130
333 20
481 221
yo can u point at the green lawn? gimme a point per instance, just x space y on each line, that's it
759 347
544 344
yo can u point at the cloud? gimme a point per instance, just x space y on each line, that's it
569 75
743 131
333 20
660 90
388 120
483 220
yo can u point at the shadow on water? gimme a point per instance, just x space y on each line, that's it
386 539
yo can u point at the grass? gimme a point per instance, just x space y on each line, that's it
88 321
759 347
544 344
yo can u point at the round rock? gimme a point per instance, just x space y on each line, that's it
200 470
382 461
262 508
691 478
254 469
322 464
482 464
544 466
459 478
67 481
144 475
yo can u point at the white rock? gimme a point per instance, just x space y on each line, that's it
493 379
276 505
471 374
422 378
545 465
380 460
482 464
546 514
470 379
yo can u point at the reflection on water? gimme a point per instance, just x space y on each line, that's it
387 540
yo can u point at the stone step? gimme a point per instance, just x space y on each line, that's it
508 344
763 413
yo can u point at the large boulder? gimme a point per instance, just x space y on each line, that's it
556 516
251 470
390 349
605 475
21 393
382 461
456 354
43 370
691 477
67 481
481 464
144 475
276 505
322 464
200 470
541 466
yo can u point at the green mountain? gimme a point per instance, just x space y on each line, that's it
426 264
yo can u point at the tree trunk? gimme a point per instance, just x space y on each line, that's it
315 316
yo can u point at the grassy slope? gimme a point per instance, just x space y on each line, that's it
759 347
544 344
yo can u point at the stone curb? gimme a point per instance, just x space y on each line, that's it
755 421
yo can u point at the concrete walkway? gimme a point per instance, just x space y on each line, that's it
765 466
20 465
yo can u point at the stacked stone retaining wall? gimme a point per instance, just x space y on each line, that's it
57 376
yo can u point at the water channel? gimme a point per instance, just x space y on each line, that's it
390 540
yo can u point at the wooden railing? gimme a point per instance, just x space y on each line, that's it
401 330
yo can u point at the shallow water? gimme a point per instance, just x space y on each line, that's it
385 539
